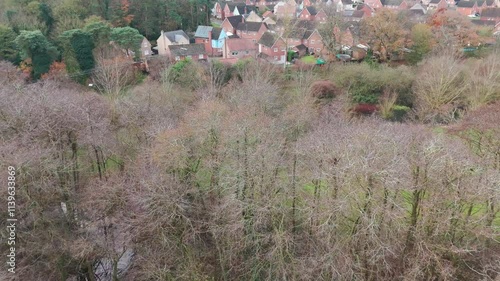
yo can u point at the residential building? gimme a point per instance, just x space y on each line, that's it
194 52
230 23
272 48
251 30
176 37
239 48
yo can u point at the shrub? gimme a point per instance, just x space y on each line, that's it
323 89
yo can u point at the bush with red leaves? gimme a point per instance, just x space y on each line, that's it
365 108
324 90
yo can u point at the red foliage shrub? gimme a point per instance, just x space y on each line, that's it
364 108
324 90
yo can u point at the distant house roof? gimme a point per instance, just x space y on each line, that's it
301 47
483 22
488 2
465 4
233 6
240 44
187 50
347 2
216 31
491 13
268 39
203 31
174 35
312 10
434 1
245 9
249 26
234 20
418 6
394 2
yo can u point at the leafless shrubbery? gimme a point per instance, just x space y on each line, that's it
440 89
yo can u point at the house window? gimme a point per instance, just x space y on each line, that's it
177 58
275 58
234 53
275 50
206 40
200 56
253 40
146 52
307 16
318 50
305 41
312 41
189 57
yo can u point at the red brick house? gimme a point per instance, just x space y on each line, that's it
272 48
239 48
313 41
308 13
467 8
321 16
375 4
285 9
230 23
251 30
218 9
203 36
194 52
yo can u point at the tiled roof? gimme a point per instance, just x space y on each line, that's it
187 49
249 26
202 31
216 32
171 35
465 4
235 20
491 13
268 39
393 2
312 10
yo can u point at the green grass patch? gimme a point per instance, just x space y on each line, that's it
308 60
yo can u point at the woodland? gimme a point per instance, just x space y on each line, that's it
205 171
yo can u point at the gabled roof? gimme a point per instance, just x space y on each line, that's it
308 34
249 26
347 2
245 9
488 2
187 49
235 20
240 44
417 7
268 39
312 10
434 1
491 13
233 6
173 35
465 4
392 2
203 31
301 47
483 22
216 33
